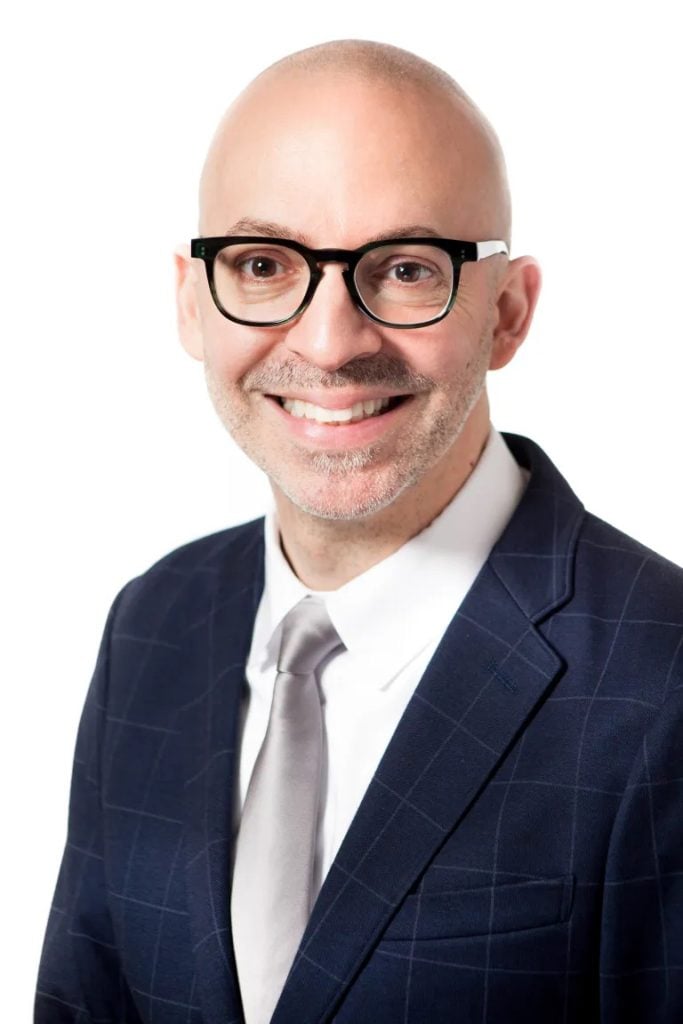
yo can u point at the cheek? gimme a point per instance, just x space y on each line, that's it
460 345
443 354
233 351
227 360
230 349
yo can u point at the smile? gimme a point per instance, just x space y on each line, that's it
353 414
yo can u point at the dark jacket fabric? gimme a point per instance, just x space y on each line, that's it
517 857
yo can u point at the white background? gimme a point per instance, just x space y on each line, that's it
112 454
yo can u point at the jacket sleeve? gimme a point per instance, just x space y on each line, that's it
641 962
80 976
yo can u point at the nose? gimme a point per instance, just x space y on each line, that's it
332 331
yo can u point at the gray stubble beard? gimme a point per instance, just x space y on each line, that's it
424 454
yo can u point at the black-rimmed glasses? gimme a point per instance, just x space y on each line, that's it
398 282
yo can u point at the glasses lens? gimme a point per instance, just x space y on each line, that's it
404 283
259 282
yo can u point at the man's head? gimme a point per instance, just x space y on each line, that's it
334 147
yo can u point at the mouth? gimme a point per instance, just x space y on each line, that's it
367 409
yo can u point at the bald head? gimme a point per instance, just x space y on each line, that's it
334 148
372 60
394 79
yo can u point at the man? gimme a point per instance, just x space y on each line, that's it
408 750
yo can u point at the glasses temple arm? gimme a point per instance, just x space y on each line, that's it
485 249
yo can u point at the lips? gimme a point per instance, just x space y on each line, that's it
337 408
301 409
333 433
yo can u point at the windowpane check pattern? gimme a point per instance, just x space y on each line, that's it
517 856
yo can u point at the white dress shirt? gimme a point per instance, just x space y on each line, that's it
390 619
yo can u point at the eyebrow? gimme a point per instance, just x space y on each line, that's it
270 229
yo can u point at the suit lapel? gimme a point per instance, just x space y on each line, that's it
489 673
217 647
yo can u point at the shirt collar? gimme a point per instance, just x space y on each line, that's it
396 608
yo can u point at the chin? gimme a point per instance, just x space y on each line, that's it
343 499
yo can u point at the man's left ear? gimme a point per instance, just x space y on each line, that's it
517 298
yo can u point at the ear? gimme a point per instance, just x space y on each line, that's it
189 321
517 297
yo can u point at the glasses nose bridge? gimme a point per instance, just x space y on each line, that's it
332 256
343 256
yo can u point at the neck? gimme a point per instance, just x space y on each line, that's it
326 553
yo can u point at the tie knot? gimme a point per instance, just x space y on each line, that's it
308 636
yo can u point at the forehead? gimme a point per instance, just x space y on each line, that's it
341 159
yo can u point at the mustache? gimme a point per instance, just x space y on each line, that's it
381 370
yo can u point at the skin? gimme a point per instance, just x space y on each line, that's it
335 157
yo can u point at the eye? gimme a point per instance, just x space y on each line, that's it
409 272
260 266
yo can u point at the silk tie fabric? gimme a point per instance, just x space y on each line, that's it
274 860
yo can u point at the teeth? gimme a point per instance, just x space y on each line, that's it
357 412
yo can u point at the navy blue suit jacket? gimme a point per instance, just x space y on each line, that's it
518 855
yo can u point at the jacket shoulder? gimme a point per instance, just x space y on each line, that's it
189 575
206 553
598 535
624 577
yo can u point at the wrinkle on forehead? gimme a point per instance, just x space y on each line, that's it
383 70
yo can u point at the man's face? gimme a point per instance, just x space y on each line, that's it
336 162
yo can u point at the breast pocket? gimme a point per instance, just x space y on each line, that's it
483 911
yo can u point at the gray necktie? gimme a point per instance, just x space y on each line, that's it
273 874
